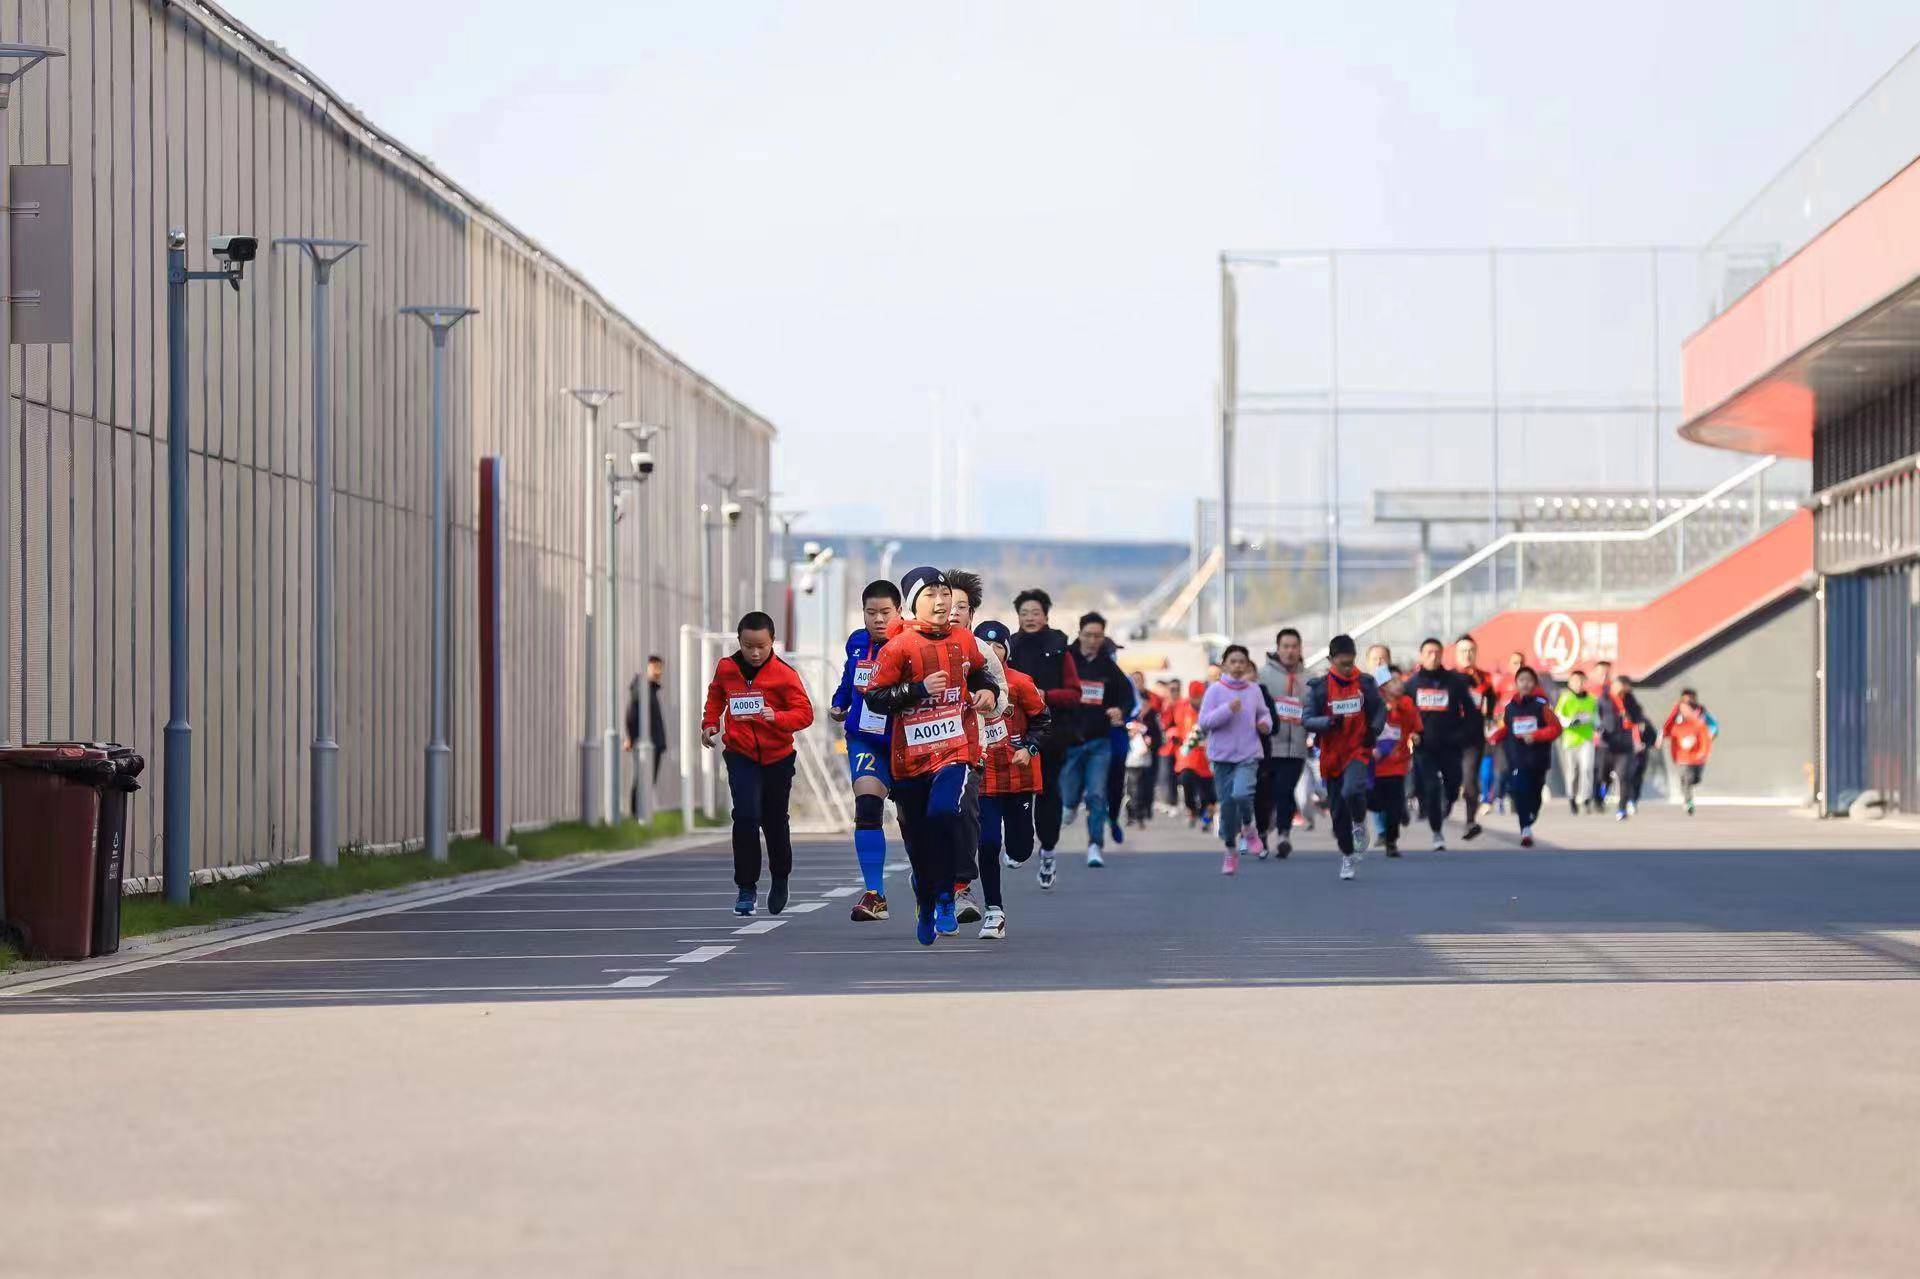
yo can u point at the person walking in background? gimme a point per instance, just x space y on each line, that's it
755 705
656 725
1392 757
1169 783
1607 710
1284 678
1579 713
1691 731
1476 775
1191 767
1139 774
1527 728
1233 714
1629 740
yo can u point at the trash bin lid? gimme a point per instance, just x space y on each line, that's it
88 763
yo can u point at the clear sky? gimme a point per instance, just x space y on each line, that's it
876 221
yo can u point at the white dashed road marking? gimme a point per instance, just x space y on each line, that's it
700 955
840 892
759 926
635 982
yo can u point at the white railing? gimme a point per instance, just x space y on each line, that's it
1642 576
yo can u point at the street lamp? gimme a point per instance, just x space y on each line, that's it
235 251
640 463
591 810
787 520
439 321
322 255
886 560
762 503
729 518
15 61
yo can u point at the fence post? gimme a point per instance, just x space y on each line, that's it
689 723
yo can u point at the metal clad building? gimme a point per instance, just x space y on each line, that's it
177 116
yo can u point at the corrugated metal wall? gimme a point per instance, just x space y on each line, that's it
1873 687
173 116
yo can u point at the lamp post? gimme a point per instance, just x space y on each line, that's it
729 518
762 502
787 520
640 466
15 61
322 254
591 810
177 796
439 321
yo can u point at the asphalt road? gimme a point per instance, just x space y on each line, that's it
1662 899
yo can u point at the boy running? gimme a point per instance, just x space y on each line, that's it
968 591
868 746
1345 712
1690 731
1012 742
933 681
1474 748
764 703
1392 756
1450 724
1527 728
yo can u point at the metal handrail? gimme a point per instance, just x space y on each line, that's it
1487 552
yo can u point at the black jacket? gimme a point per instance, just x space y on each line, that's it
1084 720
1455 725
657 725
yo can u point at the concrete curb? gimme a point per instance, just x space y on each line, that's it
182 943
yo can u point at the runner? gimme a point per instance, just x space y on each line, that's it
869 759
1527 726
1012 778
764 703
1379 662
1169 781
1039 652
1119 736
1473 752
1452 732
1345 713
1691 731
1142 748
1579 713
968 591
1234 714
1192 769
933 681
1392 756
1606 706
1284 677
1630 737
1105 696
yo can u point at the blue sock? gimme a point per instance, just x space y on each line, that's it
870 846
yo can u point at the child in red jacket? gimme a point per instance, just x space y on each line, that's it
763 703
1392 757
1528 726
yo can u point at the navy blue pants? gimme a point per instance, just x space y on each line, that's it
933 821
1005 821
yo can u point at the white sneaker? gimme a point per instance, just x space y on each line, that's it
1006 860
1362 838
1526 837
965 908
1439 842
1346 867
1094 860
1045 875
995 926
1633 808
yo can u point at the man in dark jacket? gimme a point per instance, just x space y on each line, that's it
1345 712
1630 735
656 725
1039 652
1450 722
1105 700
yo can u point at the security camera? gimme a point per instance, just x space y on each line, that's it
731 512
642 462
810 550
236 250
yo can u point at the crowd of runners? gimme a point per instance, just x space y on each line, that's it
991 740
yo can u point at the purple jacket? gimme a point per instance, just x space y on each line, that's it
1233 737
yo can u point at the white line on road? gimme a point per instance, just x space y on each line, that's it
417 959
632 983
802 908
759 926
661 971
567 910
700 955
840 892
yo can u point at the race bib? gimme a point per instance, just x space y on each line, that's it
1288 708
871 721
1346 705
1686 743
863 674
993 732
1093 694
1431 699
1525 724
1390 735
925 731
746 705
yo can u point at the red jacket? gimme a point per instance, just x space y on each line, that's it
1689 736
1184 721
1003 776
939 730
776 685
1403 721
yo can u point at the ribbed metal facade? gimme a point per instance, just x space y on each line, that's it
175 116
1867 550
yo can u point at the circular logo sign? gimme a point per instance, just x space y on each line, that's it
1556 643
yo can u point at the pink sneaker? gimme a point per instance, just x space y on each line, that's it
1230 863
1256 845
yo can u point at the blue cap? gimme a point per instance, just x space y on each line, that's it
918 580
992 632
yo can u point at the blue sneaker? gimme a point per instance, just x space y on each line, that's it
743 904
943 915
924 930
